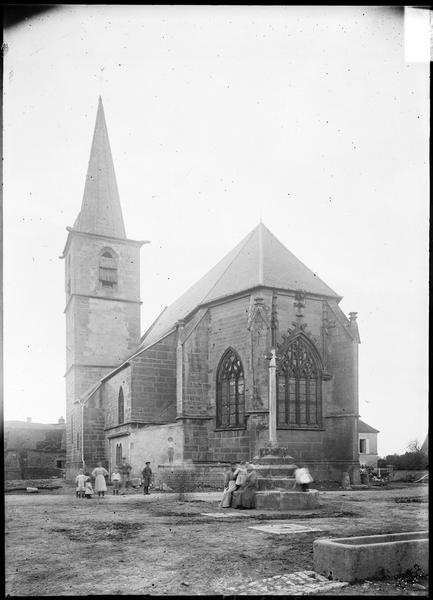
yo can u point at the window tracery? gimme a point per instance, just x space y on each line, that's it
299 383
230 392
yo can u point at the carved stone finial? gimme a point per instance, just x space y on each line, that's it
353 316
299 303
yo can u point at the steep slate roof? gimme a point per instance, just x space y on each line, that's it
100 210
364 428
258 260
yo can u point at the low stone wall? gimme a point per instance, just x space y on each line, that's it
12 473
202 476
191 476
21 484
408 475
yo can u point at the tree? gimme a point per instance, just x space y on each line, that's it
413 459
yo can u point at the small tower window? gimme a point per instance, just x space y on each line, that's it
108 268
121 407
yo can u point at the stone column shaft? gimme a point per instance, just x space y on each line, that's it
273 399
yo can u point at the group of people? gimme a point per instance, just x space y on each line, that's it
240 485
119 480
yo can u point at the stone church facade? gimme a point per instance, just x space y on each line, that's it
200 379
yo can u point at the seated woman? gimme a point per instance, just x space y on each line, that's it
245 495
229 486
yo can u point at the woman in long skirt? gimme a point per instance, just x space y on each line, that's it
229 486
99 473
245 495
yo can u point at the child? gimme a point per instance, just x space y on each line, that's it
89 490
81 483
303 478
116 479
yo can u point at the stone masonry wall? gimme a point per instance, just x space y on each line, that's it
154 383
111 389
195 370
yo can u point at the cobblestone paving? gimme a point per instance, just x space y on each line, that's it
301 583
284 528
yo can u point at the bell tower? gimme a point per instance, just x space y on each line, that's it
102 285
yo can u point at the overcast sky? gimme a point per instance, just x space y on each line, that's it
306 116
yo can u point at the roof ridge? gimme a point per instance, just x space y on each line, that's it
241 247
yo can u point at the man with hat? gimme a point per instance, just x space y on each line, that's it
147 477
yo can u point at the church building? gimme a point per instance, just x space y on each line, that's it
258 345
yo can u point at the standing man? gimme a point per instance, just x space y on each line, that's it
147 477
125 469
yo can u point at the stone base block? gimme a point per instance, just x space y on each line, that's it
275 483
371 556
285 500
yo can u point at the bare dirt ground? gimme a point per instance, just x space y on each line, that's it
57 544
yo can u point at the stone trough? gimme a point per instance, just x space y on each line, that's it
371 556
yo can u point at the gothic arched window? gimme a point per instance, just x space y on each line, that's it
299 384
108 267
120 407
230 411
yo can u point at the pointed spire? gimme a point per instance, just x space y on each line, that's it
100 210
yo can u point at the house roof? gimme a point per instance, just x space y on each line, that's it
364 428
260 259
101 212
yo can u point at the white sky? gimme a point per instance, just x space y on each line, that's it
308 116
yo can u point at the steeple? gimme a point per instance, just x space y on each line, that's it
100 210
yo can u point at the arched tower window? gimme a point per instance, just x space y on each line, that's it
108 268
121 407
118 455
230 411
299 384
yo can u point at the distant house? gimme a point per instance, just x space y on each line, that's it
367 444
34 450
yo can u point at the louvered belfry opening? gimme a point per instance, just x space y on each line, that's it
108 268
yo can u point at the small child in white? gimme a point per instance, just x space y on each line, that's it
80 480
116 479
303 478
89 490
